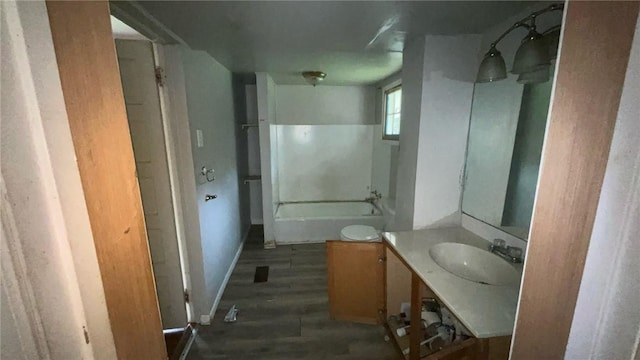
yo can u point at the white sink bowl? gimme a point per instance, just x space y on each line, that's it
474 264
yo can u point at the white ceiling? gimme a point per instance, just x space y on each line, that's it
121 30
354 42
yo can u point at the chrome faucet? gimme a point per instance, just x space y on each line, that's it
510 253
375 195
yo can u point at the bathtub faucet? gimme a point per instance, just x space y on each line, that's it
375 195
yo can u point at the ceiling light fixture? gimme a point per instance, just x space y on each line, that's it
533 56
314 77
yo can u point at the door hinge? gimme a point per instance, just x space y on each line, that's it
186 295
160 77
86 335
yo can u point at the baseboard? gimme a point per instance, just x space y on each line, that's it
301 242
227 276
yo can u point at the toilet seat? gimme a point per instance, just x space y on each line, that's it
359 233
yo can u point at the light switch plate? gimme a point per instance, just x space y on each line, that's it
199 138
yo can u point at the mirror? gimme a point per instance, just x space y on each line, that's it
506 133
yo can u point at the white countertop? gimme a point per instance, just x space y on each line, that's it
485 310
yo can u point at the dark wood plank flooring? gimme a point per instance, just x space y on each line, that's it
287 316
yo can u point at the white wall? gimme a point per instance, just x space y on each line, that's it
324 162
322 105
51 282
266 98
606 322
412 74
449 73
210 109
325 140
438 74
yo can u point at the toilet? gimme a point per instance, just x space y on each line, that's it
359 233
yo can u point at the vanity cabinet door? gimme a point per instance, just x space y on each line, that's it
355 275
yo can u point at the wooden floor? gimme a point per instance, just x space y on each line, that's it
287 316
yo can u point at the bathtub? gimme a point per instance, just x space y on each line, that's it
304 222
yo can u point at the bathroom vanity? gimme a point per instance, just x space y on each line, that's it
368 282
479 289
475 282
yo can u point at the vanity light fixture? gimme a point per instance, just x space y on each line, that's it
532 57
492 67
313 77
552 39
532 77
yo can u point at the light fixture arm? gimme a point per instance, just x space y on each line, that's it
551 29
529 18
513 27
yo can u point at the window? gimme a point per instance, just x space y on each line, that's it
392 105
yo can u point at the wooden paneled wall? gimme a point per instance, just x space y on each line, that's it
94 100
590 74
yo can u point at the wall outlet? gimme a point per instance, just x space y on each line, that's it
205 320
199 138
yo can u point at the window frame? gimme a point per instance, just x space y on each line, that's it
386 91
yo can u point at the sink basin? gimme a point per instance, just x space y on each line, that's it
474 264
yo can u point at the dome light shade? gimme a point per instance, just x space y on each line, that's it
314 77
552 41
534 77
492 67
532 55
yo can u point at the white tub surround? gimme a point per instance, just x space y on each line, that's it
326 209
324 162
304 222
485 310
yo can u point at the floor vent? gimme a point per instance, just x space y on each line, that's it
262 274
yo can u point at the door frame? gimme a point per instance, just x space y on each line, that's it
163 59
175 123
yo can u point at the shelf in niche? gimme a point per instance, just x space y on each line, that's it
250 178
249 125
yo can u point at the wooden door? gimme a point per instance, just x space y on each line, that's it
137 71
86 58
355 272
590 75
